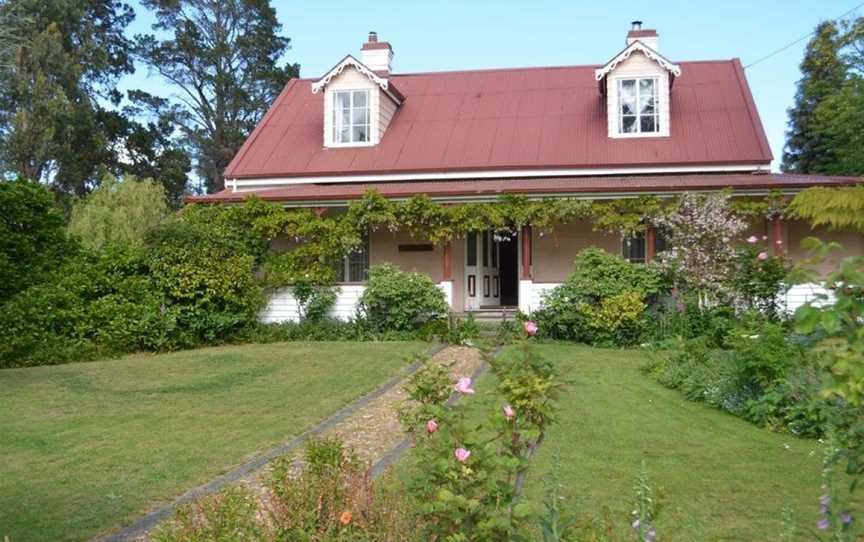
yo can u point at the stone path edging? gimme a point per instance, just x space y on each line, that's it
151 519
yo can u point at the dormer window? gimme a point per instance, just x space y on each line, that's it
637 84
351 117
638 106
359 97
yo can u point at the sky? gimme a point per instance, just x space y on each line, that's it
453 35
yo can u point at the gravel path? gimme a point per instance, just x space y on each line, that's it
369 425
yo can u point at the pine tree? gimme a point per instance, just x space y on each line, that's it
222 56
823 74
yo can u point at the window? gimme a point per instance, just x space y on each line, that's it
355 266
635 248
472 249
638 106
351 117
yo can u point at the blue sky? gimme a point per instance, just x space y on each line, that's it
449 35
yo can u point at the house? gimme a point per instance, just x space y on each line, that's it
639 124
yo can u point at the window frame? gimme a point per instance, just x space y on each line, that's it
335 115
657 115
660 245
344 267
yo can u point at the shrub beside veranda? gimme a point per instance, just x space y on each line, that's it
396 300
602 302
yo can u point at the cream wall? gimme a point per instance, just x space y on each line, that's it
384 248
796 231
554 252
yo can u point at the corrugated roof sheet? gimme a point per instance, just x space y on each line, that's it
575 186
511 119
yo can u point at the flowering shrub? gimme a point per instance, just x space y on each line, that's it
467 478
699 235
758 279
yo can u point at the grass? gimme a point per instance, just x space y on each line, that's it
721 477
87 447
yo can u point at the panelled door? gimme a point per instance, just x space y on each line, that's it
482 277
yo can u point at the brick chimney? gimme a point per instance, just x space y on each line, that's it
377 55
647 36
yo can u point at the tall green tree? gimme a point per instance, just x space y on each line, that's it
222 56
824 72
62 58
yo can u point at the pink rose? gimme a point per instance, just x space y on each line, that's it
509 412
752 239
779 241
431 426
461 454
464 386
763 256
530 328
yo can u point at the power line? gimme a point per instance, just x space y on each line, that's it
799 40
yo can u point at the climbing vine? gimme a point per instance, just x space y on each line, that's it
318 242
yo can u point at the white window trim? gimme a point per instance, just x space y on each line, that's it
332 112
660 132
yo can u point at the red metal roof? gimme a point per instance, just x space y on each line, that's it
511 119
310 192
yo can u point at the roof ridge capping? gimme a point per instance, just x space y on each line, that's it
637 45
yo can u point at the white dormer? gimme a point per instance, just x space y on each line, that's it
637 83
359 99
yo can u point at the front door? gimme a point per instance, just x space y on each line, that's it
482 276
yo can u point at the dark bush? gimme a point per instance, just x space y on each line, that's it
33 241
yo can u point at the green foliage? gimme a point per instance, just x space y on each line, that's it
226 55
32 237
759 283
327 455
601 302
823 73
313 301
400 301
646 508
837 208
836 326
228 515
59 113
92 305
191 283
208 283
340 502
760 374
118 212
468 478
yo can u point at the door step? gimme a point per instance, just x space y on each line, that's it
492 316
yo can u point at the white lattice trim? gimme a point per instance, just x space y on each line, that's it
674 69
350 61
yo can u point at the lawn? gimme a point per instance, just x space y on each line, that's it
721 478
88 447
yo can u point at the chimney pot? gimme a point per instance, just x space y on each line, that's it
647 36
378 55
